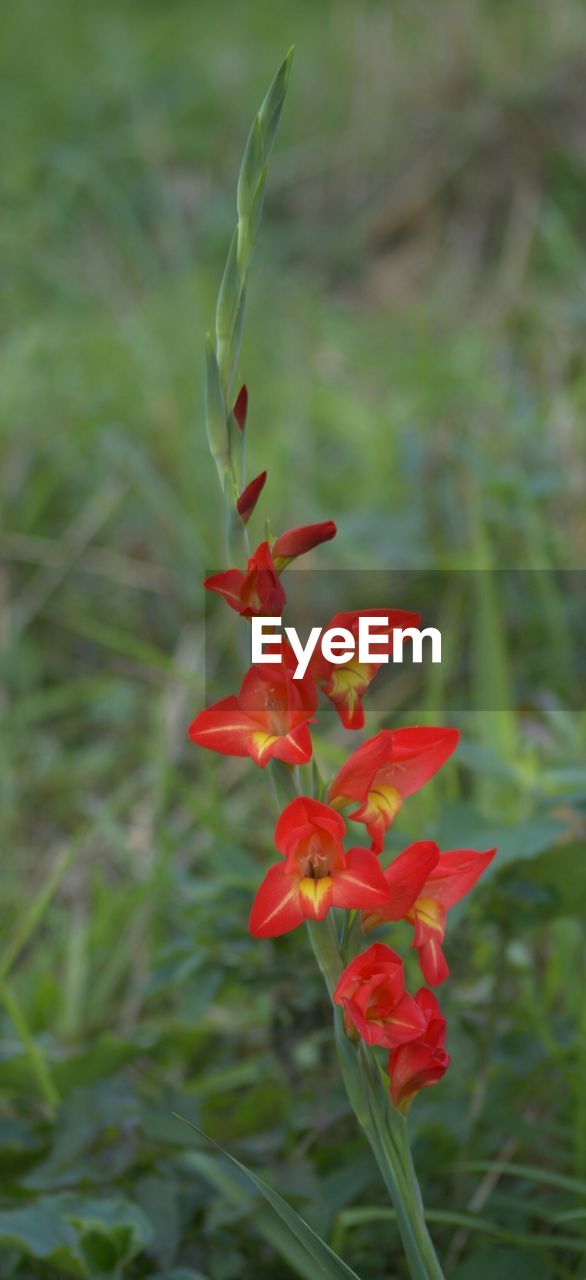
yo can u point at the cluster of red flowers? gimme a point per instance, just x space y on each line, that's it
269 718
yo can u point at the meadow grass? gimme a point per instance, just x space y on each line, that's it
414 351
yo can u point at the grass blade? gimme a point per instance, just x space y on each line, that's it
295 1239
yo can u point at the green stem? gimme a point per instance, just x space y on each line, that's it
384 1126
417 1211
37 1061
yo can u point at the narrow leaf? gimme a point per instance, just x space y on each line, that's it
270 112
325 1263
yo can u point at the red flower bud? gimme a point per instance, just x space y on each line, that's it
295 542
250 496
240 409
372 994
423 1061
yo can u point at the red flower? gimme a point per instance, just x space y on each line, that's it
295 542
372 993
250 496
268 718
423 1061
316 873
345 683
423 885
385 769
254 593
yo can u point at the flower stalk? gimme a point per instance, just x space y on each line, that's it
226 436
270 721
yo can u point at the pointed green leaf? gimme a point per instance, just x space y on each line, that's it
270 112
261 138
295 1239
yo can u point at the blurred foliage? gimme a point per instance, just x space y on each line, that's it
415 356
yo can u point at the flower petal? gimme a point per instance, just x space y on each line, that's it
414 1067
315 897
417 754
378 814
407 875
276 908
432 962
295 747
366 965
404 1023
353 780
362 884
300 819
263 746
456 874
345 687
228 585
223 727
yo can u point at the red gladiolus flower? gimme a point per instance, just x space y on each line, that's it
386 769
372 993
267 719
425 900
345 683
250 496
295 542
240 409
423 1061
316 873
257 592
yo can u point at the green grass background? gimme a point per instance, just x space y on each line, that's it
414 350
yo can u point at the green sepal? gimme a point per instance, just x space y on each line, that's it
283 781
317 782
